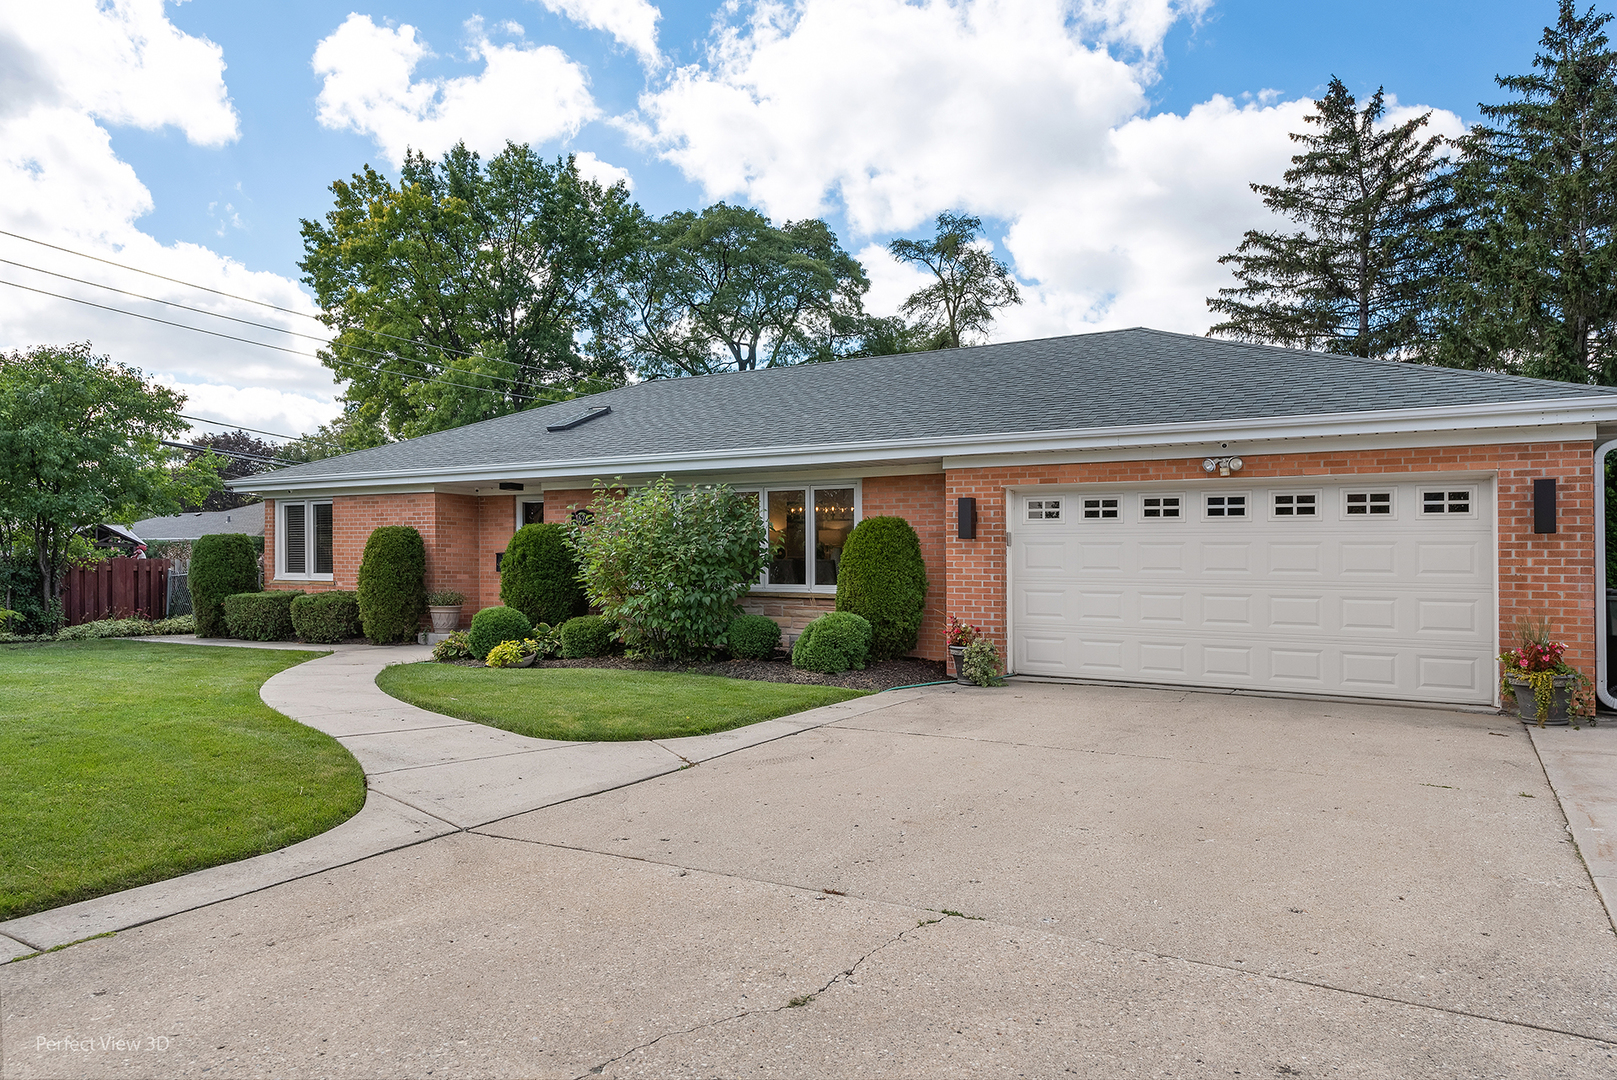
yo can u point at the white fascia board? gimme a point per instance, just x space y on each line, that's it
1512 415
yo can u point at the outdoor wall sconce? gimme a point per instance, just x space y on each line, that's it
966 519
1544 506
1222 465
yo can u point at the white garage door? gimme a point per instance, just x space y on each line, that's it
1366 589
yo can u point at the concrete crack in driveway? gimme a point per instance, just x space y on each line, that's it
793 1003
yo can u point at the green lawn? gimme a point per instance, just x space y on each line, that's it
126 762
600 704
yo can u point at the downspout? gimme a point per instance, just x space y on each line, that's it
1602 660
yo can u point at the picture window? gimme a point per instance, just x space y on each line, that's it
808 527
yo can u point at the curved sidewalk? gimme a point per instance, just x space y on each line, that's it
426 775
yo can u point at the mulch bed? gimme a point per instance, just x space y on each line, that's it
883 676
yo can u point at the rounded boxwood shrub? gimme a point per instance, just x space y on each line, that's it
392 584
326 618
261 616
753 637
587 635
222 564
493 625
882 577
836 641
539 575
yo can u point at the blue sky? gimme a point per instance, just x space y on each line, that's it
1107 142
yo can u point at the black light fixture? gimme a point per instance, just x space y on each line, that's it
1544 506
966 519
506 485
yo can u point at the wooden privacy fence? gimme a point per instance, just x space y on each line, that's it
118 588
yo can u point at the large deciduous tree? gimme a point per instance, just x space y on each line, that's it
81 442
240 455
726 290
970 286
1534 273
467 291
1360 277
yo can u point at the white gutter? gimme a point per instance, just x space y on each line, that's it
1602 651
1584 410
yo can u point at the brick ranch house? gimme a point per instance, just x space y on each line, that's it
1134 505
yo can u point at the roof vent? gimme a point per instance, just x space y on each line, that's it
582 418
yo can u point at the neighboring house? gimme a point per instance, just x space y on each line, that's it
1076 497
188 528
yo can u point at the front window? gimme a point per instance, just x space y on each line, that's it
303 544
808 527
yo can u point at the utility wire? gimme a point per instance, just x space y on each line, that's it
249 322
267 345
238 427
225 453
194 285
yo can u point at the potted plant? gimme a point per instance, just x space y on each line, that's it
959 635
445 608
1543 683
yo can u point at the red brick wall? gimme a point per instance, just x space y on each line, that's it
919 500
1552 574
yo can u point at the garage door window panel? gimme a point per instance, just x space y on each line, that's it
1360 505
1162 507
1225 507
1448 501
1044 509
1099 508
1294 505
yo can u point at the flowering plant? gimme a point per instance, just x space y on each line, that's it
1538 662
959 633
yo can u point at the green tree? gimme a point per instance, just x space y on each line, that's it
726 290
240 454
539 575
81 442
1361 276
1534 273
971 284
465 292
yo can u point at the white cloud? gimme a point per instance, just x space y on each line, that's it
64 79
1031 113
525 93
604 173
632 22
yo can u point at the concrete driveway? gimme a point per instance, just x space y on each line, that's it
1032 881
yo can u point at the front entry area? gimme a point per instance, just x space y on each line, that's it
1377 586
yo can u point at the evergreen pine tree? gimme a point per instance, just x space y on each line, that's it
1360 276
1533 288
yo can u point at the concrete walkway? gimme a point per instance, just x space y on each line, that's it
1581 765
426 776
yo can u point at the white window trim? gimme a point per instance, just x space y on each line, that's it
281 572
522 501
807 487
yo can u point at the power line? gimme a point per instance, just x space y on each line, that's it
238 427
267 345
204 288
226 453
249 322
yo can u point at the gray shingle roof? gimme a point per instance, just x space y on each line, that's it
246 519
1088 381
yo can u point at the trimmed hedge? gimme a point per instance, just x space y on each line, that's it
392 584
493 625
261 616
836 641
882 577
539 575
587 635
326 618
222 564
753 637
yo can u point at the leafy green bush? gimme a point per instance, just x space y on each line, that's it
493 625
392 584
981 663
453 647
546 640
104 628
836 641
261 616
668 565
883 578
222 564
539 575
506 654
587 635
325 618
753 637
178 624
445 598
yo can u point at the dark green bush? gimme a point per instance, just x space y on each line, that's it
883 578
260 616
753 637
392 584
836 641
326 618
539 575
222 564
493 625
587 635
